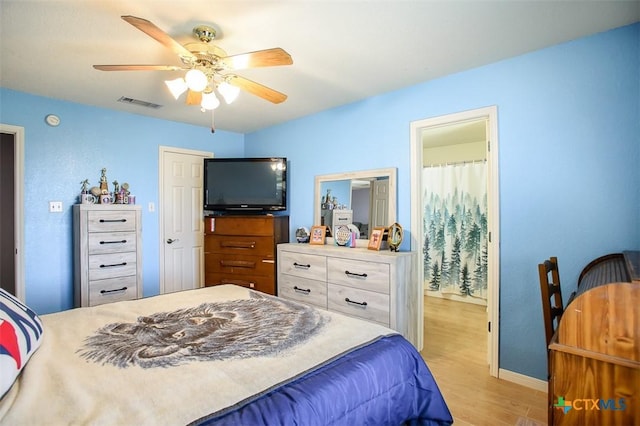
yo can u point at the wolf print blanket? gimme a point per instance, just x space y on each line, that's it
173 358
258 326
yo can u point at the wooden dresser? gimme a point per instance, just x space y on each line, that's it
378 286
595 359
241 250
107 244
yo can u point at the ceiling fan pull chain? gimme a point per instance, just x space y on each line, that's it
213 126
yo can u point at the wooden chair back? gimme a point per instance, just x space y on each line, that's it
552 307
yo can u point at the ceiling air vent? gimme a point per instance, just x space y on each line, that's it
138 102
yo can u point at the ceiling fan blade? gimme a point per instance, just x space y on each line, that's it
261 58
256 88
151 30
193 98
138 68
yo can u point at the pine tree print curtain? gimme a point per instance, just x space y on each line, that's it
455 231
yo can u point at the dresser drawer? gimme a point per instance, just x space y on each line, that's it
240 264
229 244
303 265
102 266
362 304
264 284
359 274
112 220
303 290
111 242
112 290
230 225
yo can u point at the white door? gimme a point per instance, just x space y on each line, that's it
379 204
181 219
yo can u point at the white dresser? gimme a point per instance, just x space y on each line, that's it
107 242
378 286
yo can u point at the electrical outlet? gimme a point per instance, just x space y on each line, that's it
55 206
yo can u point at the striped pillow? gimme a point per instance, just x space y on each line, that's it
20 336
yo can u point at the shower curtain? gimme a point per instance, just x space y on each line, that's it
455 231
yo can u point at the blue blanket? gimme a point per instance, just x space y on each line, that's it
385 382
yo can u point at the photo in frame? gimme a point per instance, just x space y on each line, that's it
395 237
375 240
318 234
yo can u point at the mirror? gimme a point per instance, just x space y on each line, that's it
365 198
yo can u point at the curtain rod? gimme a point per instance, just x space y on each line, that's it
455 163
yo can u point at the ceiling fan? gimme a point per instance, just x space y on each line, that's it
207 67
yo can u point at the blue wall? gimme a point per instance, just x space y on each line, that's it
569 133
57 159
569 158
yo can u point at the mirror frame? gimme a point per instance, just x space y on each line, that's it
389 173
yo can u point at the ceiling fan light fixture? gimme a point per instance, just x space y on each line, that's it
209 101
229 93
196 80
177 87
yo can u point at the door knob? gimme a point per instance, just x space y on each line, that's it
170 240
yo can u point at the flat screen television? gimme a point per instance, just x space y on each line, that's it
245 184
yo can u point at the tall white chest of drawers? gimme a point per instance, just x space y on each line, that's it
107 241
378 286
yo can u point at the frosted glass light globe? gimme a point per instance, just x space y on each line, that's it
196 80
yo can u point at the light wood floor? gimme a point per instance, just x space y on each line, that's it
455 349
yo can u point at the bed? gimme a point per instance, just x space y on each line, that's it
212 356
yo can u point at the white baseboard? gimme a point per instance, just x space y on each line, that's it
521 379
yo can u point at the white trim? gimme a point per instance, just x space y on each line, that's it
493 296
527 381
416 218
162 150
18 133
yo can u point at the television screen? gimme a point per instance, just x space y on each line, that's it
245 184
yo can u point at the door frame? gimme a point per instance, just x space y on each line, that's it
18 193
493 216
162 150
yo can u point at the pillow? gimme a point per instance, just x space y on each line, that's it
20 336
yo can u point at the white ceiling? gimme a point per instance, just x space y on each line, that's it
343 51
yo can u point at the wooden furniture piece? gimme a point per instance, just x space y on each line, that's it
552 307
610 268
107 245
241 250
605 269
595 359
378 286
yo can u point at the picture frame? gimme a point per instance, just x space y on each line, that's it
395 237
375 240
318 234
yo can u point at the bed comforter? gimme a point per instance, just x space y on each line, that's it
220 355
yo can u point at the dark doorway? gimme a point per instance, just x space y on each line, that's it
7 213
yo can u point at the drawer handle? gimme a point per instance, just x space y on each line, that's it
238 282
112 220
239 244
114 242
113 291
363 304
113 265
301 266
237 264
353 274
303 290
